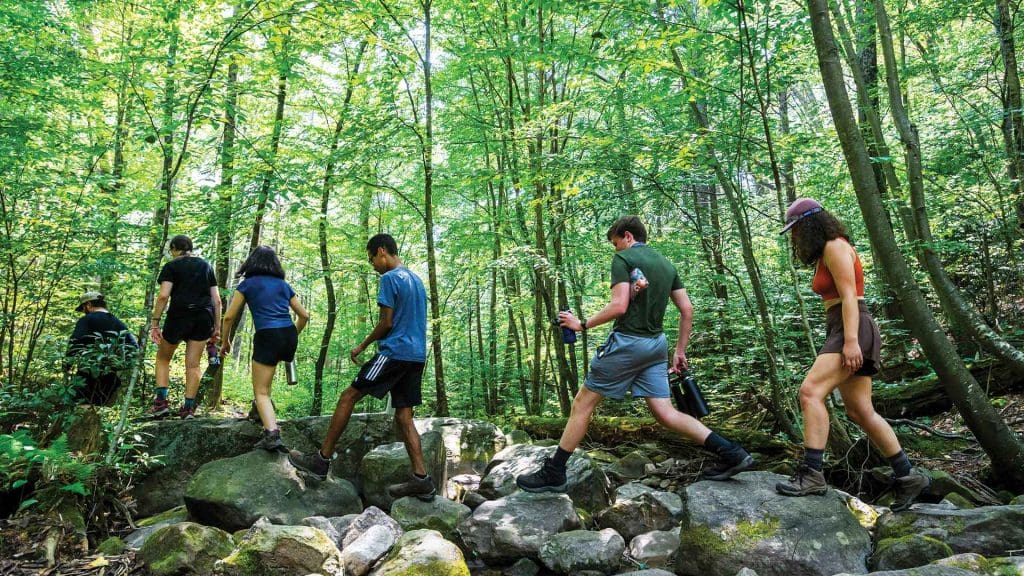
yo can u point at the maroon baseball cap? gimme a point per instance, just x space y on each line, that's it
800 208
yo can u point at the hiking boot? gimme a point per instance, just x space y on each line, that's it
422 488
313 463
160 408
805 482
550 478
187 412
730 463
908 488
271 442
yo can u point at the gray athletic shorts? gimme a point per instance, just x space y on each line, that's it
637 364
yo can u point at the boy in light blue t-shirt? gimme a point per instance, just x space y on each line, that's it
397 367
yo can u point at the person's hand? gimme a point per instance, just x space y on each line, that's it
155 335
354 354
225 348
567 320
853 357
679 362
216 335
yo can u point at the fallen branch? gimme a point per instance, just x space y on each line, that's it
928 429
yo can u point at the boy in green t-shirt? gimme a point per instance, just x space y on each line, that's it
634 357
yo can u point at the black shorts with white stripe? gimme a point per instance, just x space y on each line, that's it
402 378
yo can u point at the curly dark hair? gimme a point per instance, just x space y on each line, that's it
263 261
810 235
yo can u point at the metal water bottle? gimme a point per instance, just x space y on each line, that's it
292 376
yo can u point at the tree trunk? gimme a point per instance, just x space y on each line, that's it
325 260
997 439
1013 115
960 312
225 203
275 142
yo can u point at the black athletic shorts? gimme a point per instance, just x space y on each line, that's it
402 378
191 325
273 345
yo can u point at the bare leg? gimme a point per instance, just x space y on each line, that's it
583 407
825 374
411 438
262 380
856 393
164 354
193 352
684 424
339 420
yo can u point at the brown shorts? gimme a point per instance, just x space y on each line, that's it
868 336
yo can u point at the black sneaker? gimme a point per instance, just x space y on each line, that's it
271 442
422 488
908 488
550 478
314 463
730 463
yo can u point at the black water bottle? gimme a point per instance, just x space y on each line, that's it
568 334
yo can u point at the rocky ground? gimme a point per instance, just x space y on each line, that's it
629 507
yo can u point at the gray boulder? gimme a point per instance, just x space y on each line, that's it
234 492
389 464
589 488
370 517
441 514
632 466
987 530
422 552
570 552
523 567
504 530
651 572
670 500
185 548
469 444
657 548
637 515
930 570
908 552
283 550
741 523
326 525
147 526
183 446
362 553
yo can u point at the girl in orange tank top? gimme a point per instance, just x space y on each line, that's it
847 360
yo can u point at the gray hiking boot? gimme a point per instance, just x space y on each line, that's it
549 478
312 463
271 442
422 488
805 482
908 488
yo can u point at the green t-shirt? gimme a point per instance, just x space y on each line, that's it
646 311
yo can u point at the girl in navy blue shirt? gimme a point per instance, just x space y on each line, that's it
269 298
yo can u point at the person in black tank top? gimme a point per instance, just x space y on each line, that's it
193 316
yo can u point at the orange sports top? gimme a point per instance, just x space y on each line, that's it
824 285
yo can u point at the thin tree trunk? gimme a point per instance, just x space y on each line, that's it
960 311
225 203
1013 115
997 439
325 260
275 142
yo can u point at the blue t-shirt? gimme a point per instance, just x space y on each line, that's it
403 292
268 298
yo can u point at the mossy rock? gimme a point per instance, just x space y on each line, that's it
111 546
287 550
185 548
908 552
174 515
958 501
422 553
